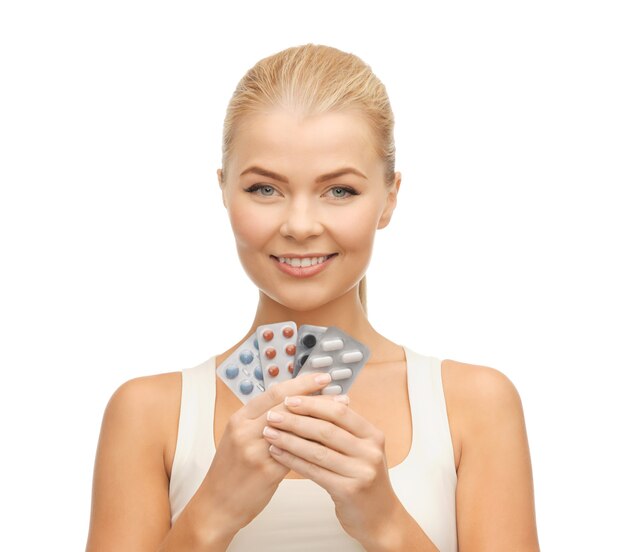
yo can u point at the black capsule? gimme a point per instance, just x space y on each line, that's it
309 340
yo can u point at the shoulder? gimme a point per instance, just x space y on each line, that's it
476 388
144 396
478 397
495 460
146 409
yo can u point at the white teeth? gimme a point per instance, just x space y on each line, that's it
307 261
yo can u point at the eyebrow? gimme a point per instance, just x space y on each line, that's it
323 178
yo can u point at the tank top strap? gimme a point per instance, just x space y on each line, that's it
428 408
195 445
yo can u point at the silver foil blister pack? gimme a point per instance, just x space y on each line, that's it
341 356
242 371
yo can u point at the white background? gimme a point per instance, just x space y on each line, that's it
506 248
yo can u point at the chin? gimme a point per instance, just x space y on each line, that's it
302 302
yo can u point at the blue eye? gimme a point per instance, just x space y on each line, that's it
346 192
263 187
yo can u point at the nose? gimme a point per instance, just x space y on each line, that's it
301 220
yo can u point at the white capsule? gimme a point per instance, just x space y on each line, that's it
321 362
332 390
332 344
351 356
340 374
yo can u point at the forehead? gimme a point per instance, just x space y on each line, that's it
316 142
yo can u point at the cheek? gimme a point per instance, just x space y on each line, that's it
249 227
356 229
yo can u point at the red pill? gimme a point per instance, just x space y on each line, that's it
290 349
273 370
287 331
268 335
290 367
270 352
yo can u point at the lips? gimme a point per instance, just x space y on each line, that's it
303 271
303 260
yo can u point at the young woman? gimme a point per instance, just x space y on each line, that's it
423 454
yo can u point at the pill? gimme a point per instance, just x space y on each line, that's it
301 360
278 349
340 374
309 340
352 356
332 390
232 371
290 367
321 362
332 344
337 353
246 356
242 371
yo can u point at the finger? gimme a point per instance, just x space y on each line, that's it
315 430
312 452
326 479
332 411
276 394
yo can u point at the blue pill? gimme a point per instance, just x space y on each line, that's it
246 356
258 373
256 343
232 371
246 387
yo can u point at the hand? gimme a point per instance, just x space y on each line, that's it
243 476
329 443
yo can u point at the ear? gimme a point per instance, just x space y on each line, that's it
392 199
220 181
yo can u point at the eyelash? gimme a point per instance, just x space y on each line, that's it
348 189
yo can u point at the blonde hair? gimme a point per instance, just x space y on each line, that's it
312 79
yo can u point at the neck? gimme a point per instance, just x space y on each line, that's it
345 312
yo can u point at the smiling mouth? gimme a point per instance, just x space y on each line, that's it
303 262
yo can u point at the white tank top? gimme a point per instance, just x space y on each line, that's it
300 516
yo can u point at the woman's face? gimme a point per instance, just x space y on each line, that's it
284 201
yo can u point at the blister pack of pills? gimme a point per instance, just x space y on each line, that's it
277 351
341 356
308 337
242 371
280 351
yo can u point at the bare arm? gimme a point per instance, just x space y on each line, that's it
130 501
495 499
130 508
130 505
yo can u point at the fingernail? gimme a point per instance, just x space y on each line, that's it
274 416
322 378
342 399
270 432
275 450
292 401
